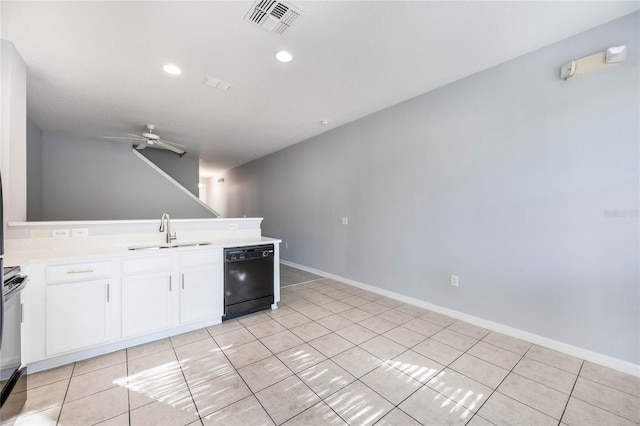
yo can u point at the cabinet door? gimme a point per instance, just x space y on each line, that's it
201 294
78 315
146 303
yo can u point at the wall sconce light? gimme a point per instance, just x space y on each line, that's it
607 58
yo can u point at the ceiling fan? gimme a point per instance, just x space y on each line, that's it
151 140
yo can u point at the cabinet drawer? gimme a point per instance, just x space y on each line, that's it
148 264
211 257
78 272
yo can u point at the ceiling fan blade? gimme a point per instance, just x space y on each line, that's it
136 136
162 144
121 137
142 145
177 145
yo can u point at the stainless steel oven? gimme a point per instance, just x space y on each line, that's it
13 376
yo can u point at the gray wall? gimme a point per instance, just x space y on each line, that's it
185 170
86 179
34 172
523 184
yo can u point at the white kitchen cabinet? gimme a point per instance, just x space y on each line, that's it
78 315
148 293
146 303
200 294
79 308
201 286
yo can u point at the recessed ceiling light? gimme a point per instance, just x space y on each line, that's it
284 56
172 69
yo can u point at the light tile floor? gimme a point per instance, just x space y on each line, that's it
290 275
333 354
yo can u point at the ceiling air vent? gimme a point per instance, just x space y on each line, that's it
217 83
272 15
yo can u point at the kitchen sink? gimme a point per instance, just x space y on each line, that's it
168 246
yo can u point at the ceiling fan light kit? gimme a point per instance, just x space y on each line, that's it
152 140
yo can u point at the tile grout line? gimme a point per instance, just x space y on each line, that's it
527 405
496 388
242 378
300 283
464 375
402 411
65 394
407 349
315 393
185 377
235 370
597 406
571 393
356 379
607 386
126 359
294 374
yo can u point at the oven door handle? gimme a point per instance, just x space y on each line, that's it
17 289
1 313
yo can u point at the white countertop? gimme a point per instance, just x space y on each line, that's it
22 258
62 223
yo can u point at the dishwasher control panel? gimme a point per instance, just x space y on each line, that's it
245 253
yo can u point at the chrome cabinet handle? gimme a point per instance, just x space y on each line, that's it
80 271
183 281
169 282
108 292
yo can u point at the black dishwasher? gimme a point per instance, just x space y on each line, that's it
248 280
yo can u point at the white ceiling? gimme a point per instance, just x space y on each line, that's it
95 68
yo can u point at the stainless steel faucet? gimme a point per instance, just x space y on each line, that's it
169 236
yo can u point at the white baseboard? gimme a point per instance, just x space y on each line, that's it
595 357
57 361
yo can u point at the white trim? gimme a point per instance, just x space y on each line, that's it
80 355
595 357
175 182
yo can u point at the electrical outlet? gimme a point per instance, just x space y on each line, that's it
233 226
80 232
39 233
60 233
345 220
454 280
